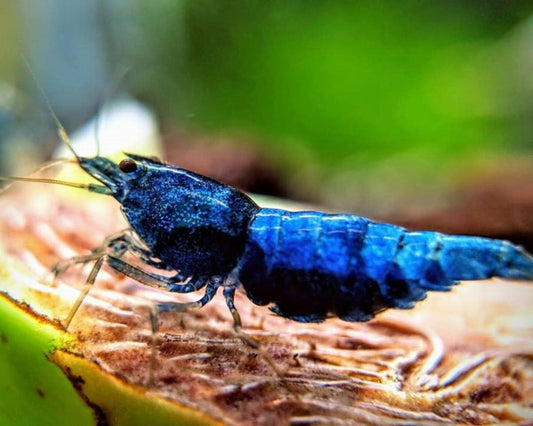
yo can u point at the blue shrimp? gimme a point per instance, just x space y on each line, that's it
306 265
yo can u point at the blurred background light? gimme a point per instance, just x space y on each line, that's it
373 107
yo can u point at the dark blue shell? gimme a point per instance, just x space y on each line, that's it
193 224
308 265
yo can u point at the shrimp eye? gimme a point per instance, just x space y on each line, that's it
127 165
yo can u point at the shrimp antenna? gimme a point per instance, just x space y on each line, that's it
45 166
88 186
119 77
61 130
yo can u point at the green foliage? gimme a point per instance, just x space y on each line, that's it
34 390
348 84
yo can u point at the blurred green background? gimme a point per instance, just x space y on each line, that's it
365 106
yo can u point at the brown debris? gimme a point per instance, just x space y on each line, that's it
459 357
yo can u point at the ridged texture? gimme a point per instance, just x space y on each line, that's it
460 358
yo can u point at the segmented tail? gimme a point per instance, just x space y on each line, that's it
433 261
474 258
407 264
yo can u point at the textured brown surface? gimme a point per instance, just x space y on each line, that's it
459 357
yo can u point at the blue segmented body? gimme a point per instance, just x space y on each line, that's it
312 264
307 265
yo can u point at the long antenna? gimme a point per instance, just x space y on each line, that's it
61 130
88 186
119 77
64 137
45 166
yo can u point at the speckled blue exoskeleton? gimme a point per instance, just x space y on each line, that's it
306 265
